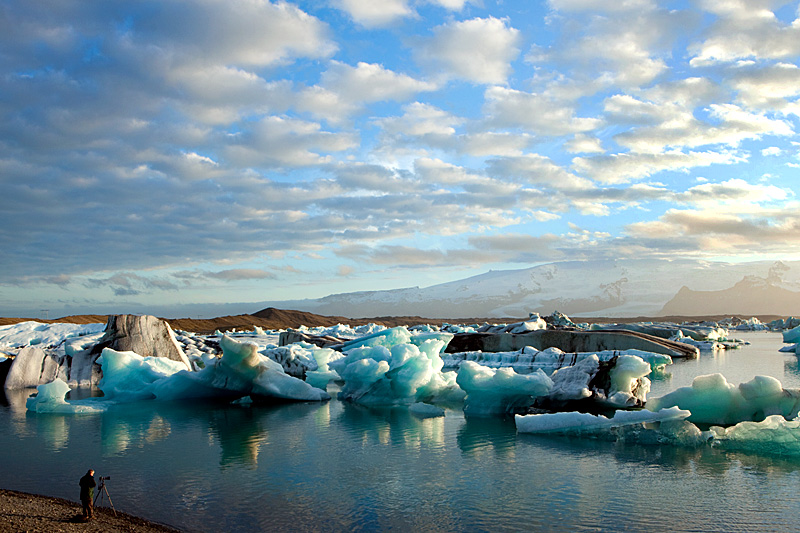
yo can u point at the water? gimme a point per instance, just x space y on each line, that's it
339 467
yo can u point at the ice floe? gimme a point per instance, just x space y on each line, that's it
712 400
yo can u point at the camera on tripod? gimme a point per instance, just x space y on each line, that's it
105 478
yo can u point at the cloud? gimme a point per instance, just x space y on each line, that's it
477 50
745 29
241 274
732 193
130 284
374 14
538 170
626 167
285 142
371 83
509 108
768 87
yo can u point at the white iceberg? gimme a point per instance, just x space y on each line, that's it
579 423
666 426
528 359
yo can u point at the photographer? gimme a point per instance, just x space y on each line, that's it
87 484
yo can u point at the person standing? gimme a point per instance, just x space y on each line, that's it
88 484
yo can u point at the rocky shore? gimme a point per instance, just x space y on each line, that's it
23 512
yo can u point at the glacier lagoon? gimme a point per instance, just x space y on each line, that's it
338 466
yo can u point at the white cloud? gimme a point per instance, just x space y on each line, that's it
373 14
371 83
420 119
581 143
538 170
477 50
745 29
769 87
509 108
732 194
771 151
625 167
684 130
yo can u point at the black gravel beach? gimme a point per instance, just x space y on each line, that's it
23 512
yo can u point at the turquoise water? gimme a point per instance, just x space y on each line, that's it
339 467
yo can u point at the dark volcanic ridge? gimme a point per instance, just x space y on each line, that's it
272 318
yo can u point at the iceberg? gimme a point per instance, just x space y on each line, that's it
666 426
774 435
127 376
712 400
50 399
620 382
499 391
529 358
792 335
584 423
402 373
241 371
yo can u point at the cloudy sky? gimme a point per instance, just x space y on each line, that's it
179 152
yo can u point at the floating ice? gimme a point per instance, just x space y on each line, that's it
425 410
45 335
529 358
241 371
774 435
127 376
401 374
712 400
499 391
50 399
793 335
667 426
583 423
320 377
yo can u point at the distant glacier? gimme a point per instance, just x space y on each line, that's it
613 288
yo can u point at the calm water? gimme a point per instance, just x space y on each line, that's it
337 467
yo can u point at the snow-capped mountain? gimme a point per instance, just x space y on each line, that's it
586 288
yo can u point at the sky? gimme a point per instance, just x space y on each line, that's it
176 152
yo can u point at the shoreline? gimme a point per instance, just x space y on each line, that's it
23 511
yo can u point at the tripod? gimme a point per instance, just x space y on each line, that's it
100 490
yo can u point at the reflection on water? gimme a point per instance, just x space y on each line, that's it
208 466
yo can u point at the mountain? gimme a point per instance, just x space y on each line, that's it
615 288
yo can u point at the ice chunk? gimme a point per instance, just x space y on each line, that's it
320 377
629 386
32 367
127 376
425 410
774 435
576 423
712 400
792 335
529 358
45 335
620 382
499 391
50 399
572 382
404 374
667 426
